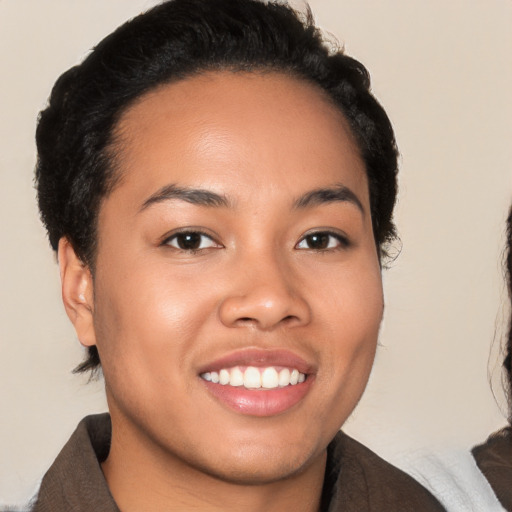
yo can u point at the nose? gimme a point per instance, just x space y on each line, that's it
264 294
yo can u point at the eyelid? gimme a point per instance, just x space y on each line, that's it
340 236
188 229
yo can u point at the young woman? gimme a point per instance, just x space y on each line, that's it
494 457
219 187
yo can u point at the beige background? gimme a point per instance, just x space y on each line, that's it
442 70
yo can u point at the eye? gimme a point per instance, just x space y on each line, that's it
322 241
190 241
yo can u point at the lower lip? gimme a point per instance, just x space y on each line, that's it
260 402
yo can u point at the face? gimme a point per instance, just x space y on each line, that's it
237 288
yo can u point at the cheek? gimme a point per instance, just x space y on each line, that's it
348 362
351 299
148 317
352 317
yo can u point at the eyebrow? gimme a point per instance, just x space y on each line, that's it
202 197
338 193
196 196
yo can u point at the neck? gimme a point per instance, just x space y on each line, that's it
145 477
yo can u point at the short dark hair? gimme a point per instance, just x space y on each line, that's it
174 40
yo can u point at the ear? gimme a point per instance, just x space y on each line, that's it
77 292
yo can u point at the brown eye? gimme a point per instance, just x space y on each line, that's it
191 241
318 241
322 240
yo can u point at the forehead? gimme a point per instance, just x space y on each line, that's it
262 130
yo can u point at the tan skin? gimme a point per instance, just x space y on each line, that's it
259 278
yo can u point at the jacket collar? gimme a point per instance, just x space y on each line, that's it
356 479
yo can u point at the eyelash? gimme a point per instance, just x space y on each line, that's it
341 241
190 233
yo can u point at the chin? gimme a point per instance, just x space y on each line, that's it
254 465
257 472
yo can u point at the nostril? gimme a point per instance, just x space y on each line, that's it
259 309
248 319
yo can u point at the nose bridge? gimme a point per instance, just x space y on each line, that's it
264 292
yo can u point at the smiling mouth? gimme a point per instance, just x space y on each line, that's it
256 382
251 377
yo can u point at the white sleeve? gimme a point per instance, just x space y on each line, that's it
454 478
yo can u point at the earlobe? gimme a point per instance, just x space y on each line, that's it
77 292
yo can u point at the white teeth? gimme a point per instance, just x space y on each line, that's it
223 377
284 377
237 377
256 378
269 378
252 378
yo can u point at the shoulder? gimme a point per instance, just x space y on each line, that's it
364 481
75 480
494 459
452 475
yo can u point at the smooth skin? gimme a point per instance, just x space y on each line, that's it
256 268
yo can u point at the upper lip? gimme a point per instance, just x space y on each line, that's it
260 358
